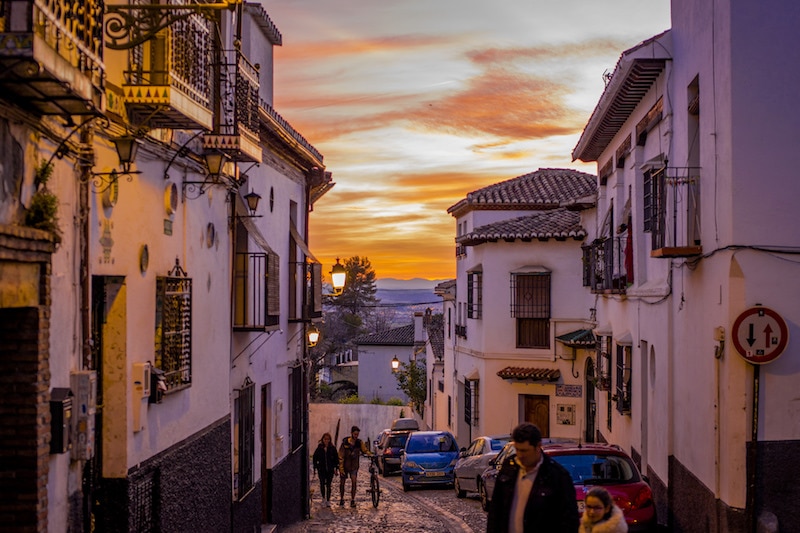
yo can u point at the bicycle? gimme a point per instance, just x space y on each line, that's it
374 489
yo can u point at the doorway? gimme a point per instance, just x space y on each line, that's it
536 409
591 405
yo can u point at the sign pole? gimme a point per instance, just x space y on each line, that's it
753 456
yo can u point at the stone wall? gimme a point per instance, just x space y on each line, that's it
370 418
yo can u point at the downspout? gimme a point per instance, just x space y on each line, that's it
87 138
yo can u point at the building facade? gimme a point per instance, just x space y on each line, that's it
693 259
155 325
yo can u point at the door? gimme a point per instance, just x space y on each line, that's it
591 406
266 450
537 411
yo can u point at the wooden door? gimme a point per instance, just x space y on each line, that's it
537 411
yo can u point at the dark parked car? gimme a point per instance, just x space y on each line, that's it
589 465
389 450
474 460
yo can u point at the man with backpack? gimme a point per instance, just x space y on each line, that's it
349 455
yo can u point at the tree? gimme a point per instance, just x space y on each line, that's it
358 296
412 379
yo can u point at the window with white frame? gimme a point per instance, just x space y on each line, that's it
474 294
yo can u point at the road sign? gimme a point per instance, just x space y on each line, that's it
760 335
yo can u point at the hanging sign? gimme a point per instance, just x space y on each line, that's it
760 335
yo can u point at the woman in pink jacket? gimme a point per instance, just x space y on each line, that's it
601 514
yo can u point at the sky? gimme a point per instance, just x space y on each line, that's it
415 103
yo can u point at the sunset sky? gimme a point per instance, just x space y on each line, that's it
415 103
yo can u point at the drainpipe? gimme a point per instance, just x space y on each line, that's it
87 137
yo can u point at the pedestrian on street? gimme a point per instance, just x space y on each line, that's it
349 455
532 493
326 464
601 514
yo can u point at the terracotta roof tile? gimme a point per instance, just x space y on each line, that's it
529 373
545 188
402 336
557 224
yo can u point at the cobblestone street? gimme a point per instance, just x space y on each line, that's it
420 510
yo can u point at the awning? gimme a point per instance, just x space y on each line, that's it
301 243
247 221
530 374
580 338
531 269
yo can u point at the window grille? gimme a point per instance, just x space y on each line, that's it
623 389
474 294
173 338
244 447
468 402
144 508
250 290
530 305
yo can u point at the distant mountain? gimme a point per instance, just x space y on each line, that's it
393 284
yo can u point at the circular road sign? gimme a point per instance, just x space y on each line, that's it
760 335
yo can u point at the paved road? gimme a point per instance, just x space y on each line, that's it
416 511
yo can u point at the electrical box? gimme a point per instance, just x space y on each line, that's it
141 380
84 387
60 420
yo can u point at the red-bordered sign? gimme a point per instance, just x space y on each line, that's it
760 335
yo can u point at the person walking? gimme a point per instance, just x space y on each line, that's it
349 455
532 493
326 464
601 514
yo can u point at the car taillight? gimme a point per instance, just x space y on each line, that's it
644 498
387 451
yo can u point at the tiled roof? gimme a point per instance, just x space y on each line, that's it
546 188
557 224
578 338
528 373
436 336
402 336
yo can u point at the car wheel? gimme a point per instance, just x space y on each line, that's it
459 493
406 487
484 497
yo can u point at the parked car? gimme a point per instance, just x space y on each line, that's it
474 460
589 465
428 459
488 477
405 423
377 442
608 465
389 451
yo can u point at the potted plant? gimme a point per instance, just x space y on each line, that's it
42 213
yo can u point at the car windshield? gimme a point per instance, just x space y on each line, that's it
497 444
597 469
431 444
396 441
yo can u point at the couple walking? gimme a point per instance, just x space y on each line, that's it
344 462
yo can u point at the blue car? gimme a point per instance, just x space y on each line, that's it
428 459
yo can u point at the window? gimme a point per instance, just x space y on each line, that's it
173 337
474 294
244 443
467 402
530 305
256 276
623 390
604 363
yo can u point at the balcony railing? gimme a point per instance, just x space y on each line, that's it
675 228
168 83
604 265
51 55
461 331
238 135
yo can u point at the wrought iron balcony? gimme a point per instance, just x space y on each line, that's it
672 211
604 265
238 132
51 55
168 83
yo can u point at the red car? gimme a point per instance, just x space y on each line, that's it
610 467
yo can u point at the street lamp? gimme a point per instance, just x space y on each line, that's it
338 277
313 336
395 364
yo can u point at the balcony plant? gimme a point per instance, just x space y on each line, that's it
42 213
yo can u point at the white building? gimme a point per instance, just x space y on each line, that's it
162 383
517 290
696 224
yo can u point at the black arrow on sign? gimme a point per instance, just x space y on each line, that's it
751 339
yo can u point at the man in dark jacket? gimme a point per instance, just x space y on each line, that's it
532 493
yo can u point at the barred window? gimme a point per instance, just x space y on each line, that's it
530 305
474 294
623 389
173 335
468 402
244 445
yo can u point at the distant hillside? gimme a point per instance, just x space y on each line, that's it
405 302
407 284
